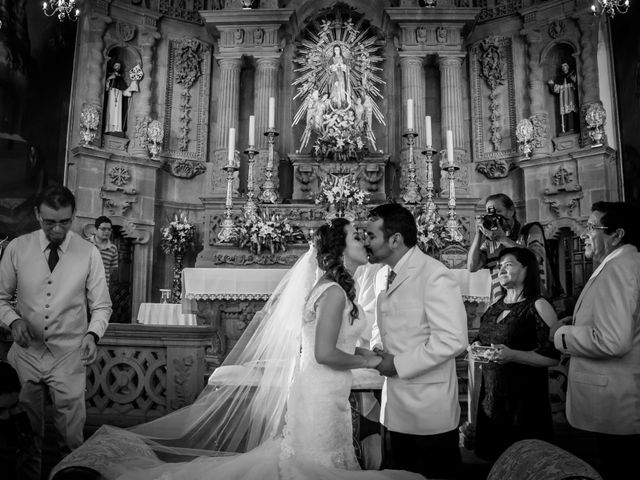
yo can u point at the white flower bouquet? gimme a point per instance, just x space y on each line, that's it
178 237
267 232
342 196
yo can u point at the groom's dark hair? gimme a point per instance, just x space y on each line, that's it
396 219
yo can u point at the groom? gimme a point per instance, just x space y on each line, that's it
423 327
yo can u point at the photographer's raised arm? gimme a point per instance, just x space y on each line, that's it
476 259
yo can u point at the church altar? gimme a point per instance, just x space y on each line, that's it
226 299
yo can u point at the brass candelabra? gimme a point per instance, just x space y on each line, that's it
269 193
411 193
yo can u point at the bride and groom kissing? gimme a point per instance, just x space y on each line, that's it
293 420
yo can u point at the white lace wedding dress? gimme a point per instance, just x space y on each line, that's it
317 442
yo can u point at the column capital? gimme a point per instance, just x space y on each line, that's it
531 36
411 60
268 62
230 63
448 60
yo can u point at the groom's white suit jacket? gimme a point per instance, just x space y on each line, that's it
422 321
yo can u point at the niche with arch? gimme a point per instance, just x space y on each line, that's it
561 76
119 90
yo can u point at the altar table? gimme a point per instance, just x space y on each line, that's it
164 314
258 283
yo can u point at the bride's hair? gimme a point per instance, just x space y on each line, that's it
330 241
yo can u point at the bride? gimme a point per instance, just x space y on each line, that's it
281 397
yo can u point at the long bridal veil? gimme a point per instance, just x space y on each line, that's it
243 404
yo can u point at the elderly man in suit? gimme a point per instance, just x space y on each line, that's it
423 327
603 393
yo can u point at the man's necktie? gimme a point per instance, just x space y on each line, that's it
53 256
390 278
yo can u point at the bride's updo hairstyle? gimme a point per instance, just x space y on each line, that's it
330 241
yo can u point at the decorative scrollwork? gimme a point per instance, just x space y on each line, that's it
493 169
188 70
493 70
184 168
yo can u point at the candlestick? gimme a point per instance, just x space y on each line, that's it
428 153
410 114
271 124
250 208
269 193
232 146
412 190
252 130
227 233
428 124
450 157
453 224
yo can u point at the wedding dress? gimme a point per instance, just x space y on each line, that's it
292 425
317 441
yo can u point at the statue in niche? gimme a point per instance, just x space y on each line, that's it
564 86
117 93
339 83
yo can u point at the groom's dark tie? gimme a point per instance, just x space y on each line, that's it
53 256
390 278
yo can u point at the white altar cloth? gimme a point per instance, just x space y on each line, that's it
258 283
164 314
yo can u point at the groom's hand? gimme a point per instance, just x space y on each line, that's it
386 367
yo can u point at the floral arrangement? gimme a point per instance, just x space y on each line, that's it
266 232
178 237
342 196
432 235
525 136
339 136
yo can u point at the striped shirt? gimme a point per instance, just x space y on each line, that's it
109 254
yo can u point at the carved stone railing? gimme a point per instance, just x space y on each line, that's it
145 371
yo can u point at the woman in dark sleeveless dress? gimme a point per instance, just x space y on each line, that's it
514 392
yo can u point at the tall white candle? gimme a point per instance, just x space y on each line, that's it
410 114
450 147
272 113
252 130
428 124
232 146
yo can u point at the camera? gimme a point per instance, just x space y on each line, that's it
492 221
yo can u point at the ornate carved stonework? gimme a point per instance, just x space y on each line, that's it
492 79
189 67
502 9
182 368
125 31
540 123
118 200
563 196
184 168
119 175
556 28
493 169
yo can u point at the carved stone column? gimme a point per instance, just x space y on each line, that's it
414 87
452 113
143 111
451 99
228 99
588 84
266 86
537 112
228 111
95 26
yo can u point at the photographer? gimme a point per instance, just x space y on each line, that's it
499 229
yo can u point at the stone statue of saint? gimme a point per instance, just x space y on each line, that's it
116 87
564 86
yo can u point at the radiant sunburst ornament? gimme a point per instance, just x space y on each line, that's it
339 85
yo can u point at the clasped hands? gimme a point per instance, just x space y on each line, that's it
383 362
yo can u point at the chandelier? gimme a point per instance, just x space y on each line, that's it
610 7
62 8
